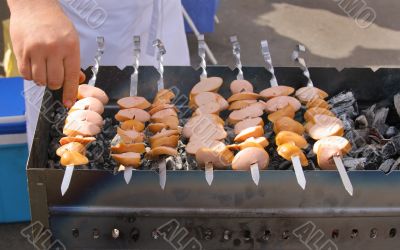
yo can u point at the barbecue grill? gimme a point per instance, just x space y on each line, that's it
100 211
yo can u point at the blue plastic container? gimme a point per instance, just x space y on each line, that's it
202 13
14 198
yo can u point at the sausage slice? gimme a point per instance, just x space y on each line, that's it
249 156
132 113
277 91
133 102
280 102
238 86
85 90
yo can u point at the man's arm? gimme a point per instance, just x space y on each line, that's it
46 45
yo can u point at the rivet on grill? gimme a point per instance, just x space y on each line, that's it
374 233
208 234
354 233
247 235
392 232
227 235
75 232
155 235
335 234
285 235
96 234
135 233
265 235
237 242
115 233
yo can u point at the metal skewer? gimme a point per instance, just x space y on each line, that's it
338 161
298 169
209 168
97 58
70 168
162 165
133 91
268 61
254 169
236 53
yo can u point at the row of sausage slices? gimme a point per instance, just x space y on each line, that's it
83 122
163 124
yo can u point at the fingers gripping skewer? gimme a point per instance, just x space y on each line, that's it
162 166
236 53
97 58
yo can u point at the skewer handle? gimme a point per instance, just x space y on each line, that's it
135 74
268 61
296 57
209 173
236 53
160 58
298 170
202 55
97 58
343 175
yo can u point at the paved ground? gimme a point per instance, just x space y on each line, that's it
333 39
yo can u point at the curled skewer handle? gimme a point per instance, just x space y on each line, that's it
236 53
202 55
296 57
268 61
160 58
97 58
135 74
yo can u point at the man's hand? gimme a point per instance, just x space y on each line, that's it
46 45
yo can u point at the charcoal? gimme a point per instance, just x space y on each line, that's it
370 114
348 123
392 148
361 122
357 137
344 103
354 163
284 165
380 119
396 165
391 132
374 158
396 101
387 165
